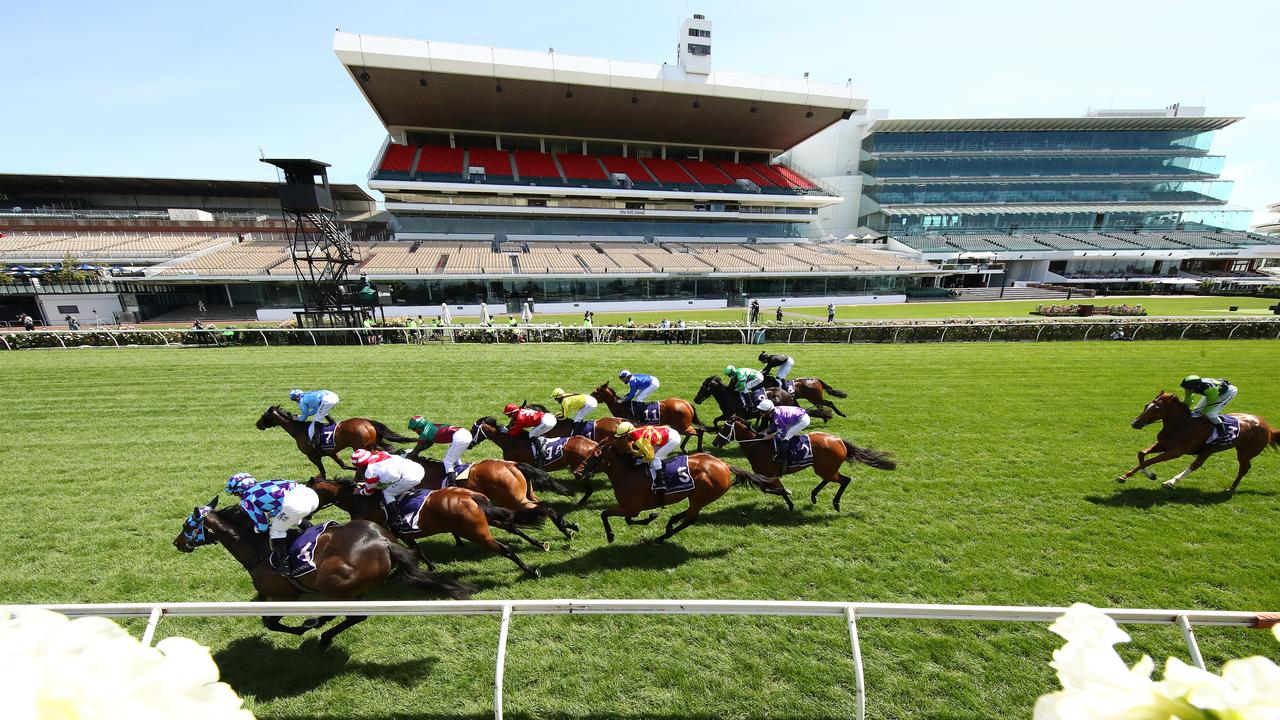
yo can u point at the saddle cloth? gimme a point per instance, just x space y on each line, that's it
552 450
302 547
410 504
676 475
752 398
588 429
800 451
323 438
648 413
1232 426
771 381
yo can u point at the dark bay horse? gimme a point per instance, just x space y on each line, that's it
576 449
604 427
351 559
812 389
1184 434
830 453
508 485
712 477
354 433
730 401
464 513
675 413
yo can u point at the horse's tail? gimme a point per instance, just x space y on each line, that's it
830 390
1275 439
502 517
821 413
697 422
534 516
406 561
541 480
756 480
386 433
875 458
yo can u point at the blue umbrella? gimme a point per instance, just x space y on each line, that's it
19 269
86 266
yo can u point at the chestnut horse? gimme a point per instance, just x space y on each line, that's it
830 453
712 477
351 559
604 427
354 433
812 389
1185 434
465 513
508 485
675 413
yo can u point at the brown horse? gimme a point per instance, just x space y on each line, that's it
604 427
812 389
350 559
712 477
731 404
465 513
830 453
354 433
508 485
675 413
1184 434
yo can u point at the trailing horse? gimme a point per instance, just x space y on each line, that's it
829 454
353 433
350 560
1185 434
675 413
508 485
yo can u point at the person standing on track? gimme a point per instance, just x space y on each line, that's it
1214 396
652 444
535 422
314 405
393 474
788 422
580 404
831 312
777 313
640 386
429 434
275 507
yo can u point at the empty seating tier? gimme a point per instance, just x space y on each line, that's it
581 167
398 159
437 161
709 175
631 167
496 163
739 171
669 172
536 165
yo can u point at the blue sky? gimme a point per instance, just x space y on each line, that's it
195 89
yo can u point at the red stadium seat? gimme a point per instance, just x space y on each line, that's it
398 158
795 179
706 173
631 167
668 172
496 163
739 171
581 167
532 164
440 161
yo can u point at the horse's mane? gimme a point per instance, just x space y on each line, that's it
488 420
714 379
236 520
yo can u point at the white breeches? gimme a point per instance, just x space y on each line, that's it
399 487
660 454
452 456
796 429
645 393
753 383
1211 411
295 506
545 426
326 404
586 410
786 368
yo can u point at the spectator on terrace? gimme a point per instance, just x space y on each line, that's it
755 311
72 323
197 325
777 315
831 312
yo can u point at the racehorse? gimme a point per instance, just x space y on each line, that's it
712 477
465 513
350 560
812 389
519 449
830 453
604 427
508 485
675 413
352 433
730 401
1185 434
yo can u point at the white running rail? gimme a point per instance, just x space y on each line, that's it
850 612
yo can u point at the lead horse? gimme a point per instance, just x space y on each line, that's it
1185 434
815 390
731 404
675 413
354 433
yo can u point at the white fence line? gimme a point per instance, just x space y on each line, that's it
850 612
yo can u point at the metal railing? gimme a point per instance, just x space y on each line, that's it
885 332
849 612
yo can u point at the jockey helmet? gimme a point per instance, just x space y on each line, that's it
365 457
510 408
762 356
1190 380
295 394
417 423
765 405
728 369
558 393
238 483
624 428
624 375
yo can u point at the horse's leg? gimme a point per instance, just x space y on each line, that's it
587 490
700 432
686 518
1195 465
615 511
417 547
457 540
813 496
1147 462
835 409
480 535
338 460
565 527
273 624
326 639
775 487
317 460
844 483
514 530
1142 455
1245 461
647 519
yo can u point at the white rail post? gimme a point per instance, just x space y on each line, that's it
7 346
154 619
502 660
859 682
1233 332
1184 332
265 343
313 338
64 345
1192 646
112 335
1038 333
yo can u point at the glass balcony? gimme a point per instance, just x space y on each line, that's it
1038 140
1205 166
998 193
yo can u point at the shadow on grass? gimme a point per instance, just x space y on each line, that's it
773 514
253 666
1146 497
632 556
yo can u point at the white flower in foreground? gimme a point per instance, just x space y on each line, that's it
52 668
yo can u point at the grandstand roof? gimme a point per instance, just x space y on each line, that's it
611 99
16 184
1160 122
1020 208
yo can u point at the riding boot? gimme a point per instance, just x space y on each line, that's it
659 486
578 427
781 456
539 447
394 521
305 525
451 478
1219 431
280 560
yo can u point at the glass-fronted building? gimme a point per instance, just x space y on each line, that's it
1118 171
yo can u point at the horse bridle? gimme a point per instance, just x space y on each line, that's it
193 531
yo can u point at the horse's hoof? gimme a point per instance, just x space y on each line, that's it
813 499
573 527
1167 484
534 574
1121 479
545 546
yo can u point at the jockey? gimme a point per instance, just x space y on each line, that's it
784 363
394 474
642 386
744 380
275 507
1215 394
580 404
536 422
788 422
316 405
429 434
652 444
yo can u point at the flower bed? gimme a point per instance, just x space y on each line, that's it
1088 310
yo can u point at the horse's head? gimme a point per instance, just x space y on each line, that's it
604 392
1156 410
194 533
731 430
273 416
708 387
480 430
